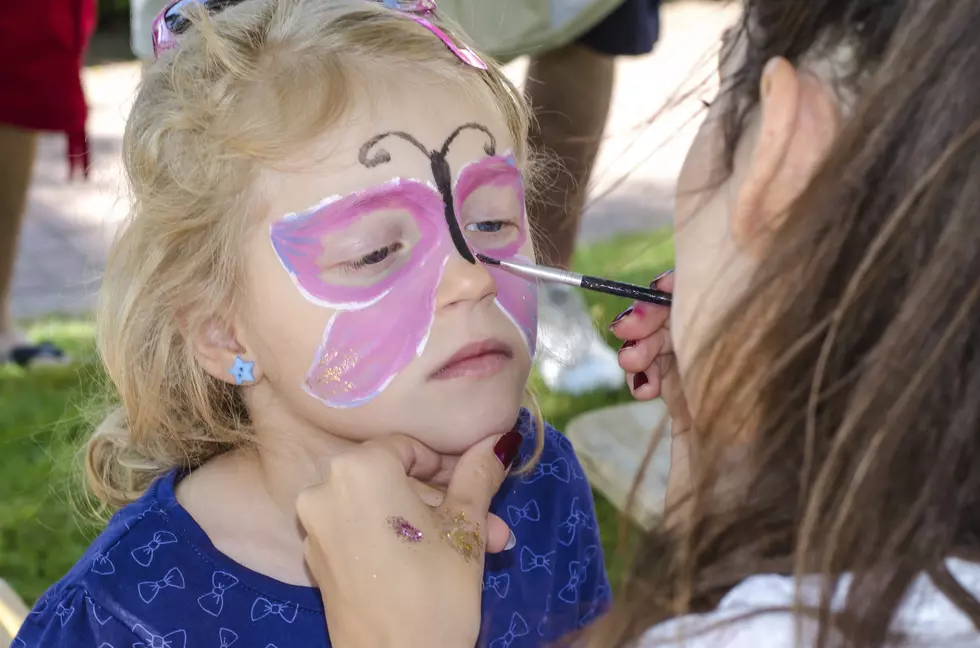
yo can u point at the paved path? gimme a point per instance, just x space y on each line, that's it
69 226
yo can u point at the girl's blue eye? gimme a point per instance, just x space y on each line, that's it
487 227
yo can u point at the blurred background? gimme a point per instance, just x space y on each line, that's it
45 411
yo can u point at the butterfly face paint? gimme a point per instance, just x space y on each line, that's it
377 257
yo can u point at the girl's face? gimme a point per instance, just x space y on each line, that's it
367 316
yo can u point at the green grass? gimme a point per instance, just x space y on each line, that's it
41 428
43 425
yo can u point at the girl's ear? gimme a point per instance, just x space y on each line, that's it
218 349
797 122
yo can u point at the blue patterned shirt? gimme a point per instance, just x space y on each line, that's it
153 579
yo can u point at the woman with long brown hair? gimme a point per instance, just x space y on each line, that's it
825 483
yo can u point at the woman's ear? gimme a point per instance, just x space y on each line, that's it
798 119
219 351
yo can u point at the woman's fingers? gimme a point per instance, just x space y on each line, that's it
498 535
640 321
477 478
417 460
644 385
664 282
639 355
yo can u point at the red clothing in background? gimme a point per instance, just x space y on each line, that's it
42 44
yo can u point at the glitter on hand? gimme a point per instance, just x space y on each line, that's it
404 529
463 536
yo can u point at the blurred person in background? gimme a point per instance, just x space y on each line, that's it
570 90
42 45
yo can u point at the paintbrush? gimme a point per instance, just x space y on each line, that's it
596 284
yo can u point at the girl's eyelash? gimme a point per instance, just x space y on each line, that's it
372 258
706 103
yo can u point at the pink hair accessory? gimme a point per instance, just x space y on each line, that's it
462 52
165 37
417 9
411 6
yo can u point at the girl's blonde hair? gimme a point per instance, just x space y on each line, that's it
245 87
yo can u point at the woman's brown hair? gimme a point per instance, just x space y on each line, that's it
851 371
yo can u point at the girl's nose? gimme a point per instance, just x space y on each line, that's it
464 281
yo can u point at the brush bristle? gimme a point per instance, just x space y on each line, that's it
488 260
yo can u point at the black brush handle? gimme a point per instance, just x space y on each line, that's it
620 289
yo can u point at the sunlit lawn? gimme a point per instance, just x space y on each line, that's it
44 419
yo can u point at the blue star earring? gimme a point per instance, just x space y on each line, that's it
242 371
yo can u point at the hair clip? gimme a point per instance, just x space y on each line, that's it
417 10
169 24
412 6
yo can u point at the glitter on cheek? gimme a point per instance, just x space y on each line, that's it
463 536
404 529
333 373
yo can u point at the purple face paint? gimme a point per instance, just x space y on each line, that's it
498 182
340 256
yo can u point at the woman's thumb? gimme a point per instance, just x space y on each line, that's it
479 474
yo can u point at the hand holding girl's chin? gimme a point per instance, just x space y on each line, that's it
376 543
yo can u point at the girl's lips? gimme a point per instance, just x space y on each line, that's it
477 360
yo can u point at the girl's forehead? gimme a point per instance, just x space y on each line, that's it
330 164
370 159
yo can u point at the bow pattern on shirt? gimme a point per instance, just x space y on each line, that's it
64 613
175 639
530 512
214 601
263 607
499 584
601 593
144 555
95 611
518 628
558 469
577 518
148 590
102 566
531 561
226 637
577 572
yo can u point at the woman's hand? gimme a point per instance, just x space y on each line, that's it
393 570
647 355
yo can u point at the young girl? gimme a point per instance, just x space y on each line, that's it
822 356
311 181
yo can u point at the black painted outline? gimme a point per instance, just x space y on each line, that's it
441 173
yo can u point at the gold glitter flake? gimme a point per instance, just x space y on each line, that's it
332 373
463 536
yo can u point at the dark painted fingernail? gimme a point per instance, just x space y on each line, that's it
619 317
628 344
653 284
639 380
507 447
